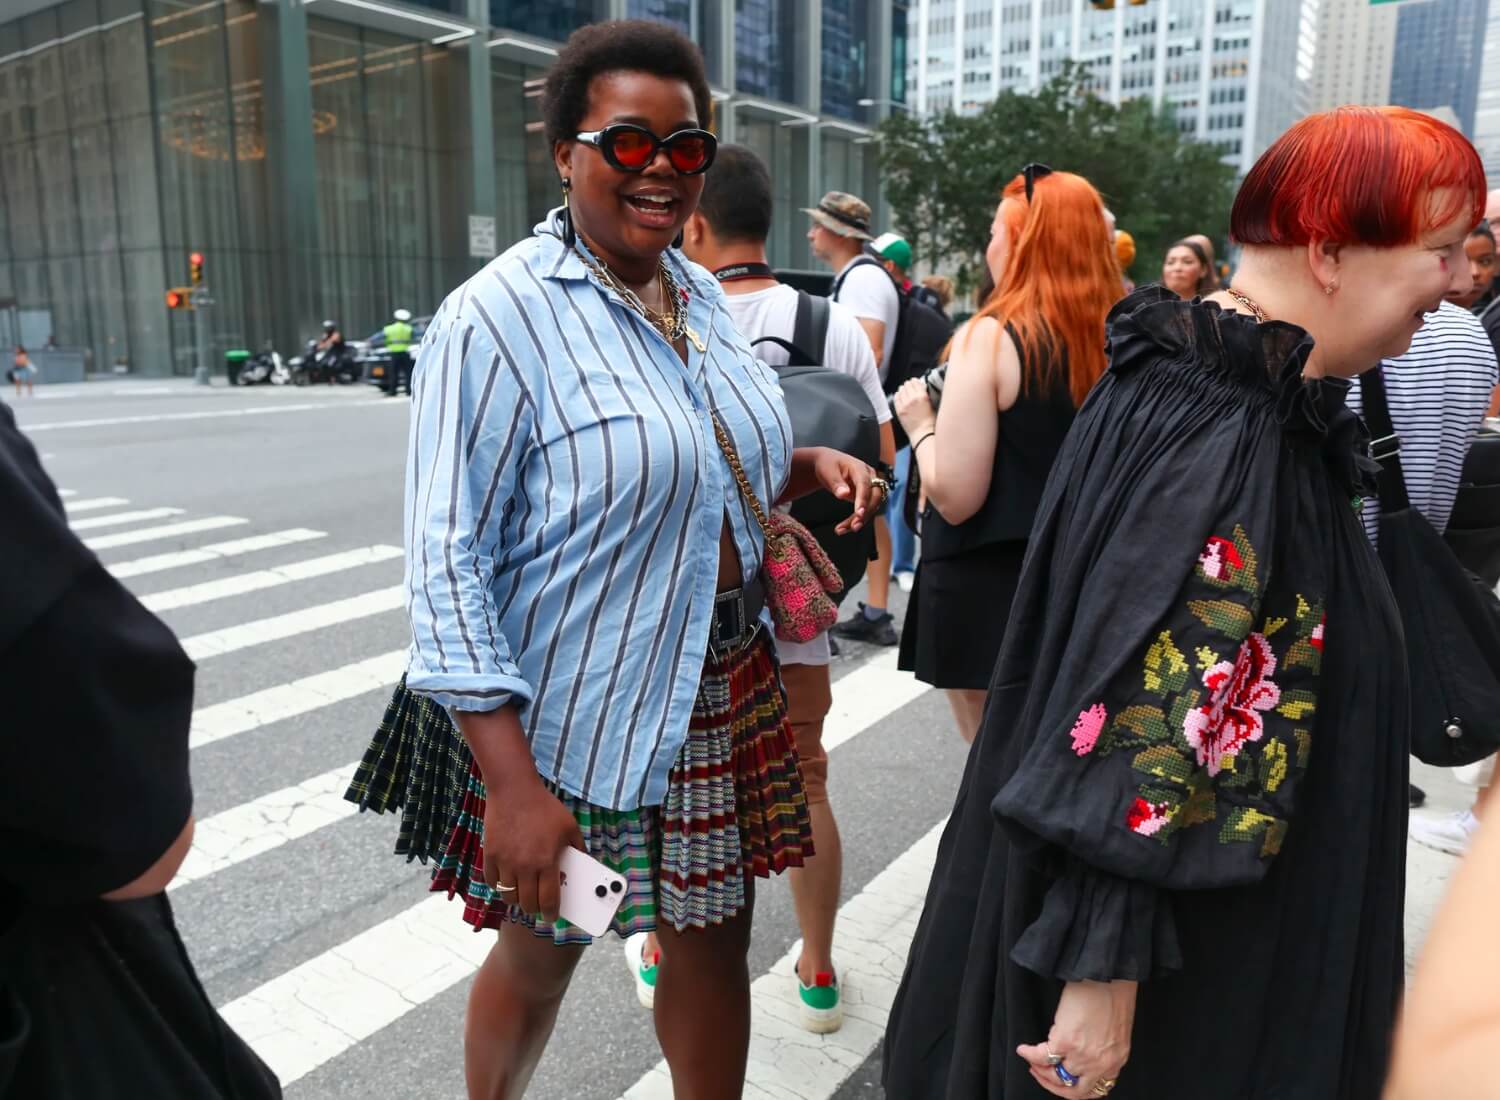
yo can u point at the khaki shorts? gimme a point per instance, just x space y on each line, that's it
809 696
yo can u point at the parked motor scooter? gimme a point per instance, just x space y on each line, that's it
334 364
265 366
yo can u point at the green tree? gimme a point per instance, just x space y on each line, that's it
943 175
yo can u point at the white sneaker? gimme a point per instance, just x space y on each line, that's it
905 580
644 973
1450 834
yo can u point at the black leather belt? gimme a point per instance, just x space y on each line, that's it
736 618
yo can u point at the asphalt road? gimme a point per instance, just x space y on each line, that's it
262 522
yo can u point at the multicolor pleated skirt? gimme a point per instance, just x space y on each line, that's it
734 806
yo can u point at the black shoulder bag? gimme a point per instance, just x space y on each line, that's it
828 408
1452 618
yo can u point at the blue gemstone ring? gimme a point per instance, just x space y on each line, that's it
1064 1076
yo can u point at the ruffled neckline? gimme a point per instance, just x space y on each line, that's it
1152 324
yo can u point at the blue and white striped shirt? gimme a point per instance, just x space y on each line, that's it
564 500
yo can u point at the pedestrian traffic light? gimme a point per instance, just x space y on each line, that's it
195 267
179 297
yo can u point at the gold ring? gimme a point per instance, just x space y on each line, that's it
1106 1086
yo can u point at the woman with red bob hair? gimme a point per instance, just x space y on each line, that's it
1176 861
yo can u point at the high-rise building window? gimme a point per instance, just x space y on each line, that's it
765 64
677 12
846 36
555 19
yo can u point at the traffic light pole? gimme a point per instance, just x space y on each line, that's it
201 299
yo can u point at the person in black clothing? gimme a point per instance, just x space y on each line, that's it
1017 373
97 997
1174 866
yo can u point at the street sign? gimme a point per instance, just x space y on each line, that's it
482 237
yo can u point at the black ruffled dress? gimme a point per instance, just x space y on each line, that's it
1192 769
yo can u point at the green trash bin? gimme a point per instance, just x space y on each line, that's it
234 362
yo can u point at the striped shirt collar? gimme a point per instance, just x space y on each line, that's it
565 264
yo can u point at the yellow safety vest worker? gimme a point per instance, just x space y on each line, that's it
397 336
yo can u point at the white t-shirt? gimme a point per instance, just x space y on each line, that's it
868 292
1437 393
773 312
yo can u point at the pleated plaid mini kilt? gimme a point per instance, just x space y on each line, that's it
734 806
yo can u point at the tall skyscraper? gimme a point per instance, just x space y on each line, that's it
1227 67
1352 45
1487 109
1439 49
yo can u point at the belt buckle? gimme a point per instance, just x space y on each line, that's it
727 628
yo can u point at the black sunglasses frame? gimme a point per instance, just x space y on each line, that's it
604 141
1033 172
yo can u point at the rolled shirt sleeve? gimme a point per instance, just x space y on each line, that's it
471 431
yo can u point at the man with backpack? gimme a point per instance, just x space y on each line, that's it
728 235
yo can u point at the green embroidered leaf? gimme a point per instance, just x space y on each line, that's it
1244 823
1303 654
1308 617
1145 722
1272 626
1225 616
1201 806
1238 772
1164 762
1207 658
1297 704
1245 576
1274 765
1154 794
1180 707
1166 668
1304 746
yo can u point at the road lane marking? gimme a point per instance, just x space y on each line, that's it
72 506
316 1011
64 493
865 696
141 516
267 822
166 531
870 942
291 700
175 559
261 579
277 628
207 414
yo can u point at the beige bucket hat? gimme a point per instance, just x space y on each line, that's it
844 214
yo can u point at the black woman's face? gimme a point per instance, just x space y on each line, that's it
631 217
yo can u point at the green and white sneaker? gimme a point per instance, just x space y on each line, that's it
822 1011
642 971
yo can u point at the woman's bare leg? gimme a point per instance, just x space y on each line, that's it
968 709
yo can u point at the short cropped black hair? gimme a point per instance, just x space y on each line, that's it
736 200
1483 229
624 45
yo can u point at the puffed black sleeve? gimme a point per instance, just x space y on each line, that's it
97 704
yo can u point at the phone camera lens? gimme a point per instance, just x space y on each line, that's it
615 887
601 891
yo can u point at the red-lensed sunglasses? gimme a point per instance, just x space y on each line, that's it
632 148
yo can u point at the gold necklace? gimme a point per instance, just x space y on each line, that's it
1249 303
672 321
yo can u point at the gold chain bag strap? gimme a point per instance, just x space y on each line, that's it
797 574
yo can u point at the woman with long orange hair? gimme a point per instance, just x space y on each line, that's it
1175 862
1017 373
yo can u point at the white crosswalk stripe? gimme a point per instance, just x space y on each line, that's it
165 531
276 704
120 518
73 507
208 414
277 628
177 559
268 578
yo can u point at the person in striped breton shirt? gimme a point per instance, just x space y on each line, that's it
1438 393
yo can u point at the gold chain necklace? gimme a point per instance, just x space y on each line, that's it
1249 303
671 322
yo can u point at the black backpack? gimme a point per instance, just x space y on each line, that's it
922 332
828 408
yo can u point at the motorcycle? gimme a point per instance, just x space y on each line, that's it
335 364
266 366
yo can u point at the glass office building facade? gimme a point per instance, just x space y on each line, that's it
1439 55
330 158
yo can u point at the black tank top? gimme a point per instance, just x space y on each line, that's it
1031 434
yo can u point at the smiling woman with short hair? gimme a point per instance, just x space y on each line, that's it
583 577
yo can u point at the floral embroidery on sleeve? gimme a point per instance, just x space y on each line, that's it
1221 740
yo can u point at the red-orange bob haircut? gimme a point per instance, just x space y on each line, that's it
1377 176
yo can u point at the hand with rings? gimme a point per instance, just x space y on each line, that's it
1089 1042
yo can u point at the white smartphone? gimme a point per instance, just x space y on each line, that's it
591 892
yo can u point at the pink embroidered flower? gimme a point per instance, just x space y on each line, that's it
1086 730
1147 818
1238 693
1316 640
1218 557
